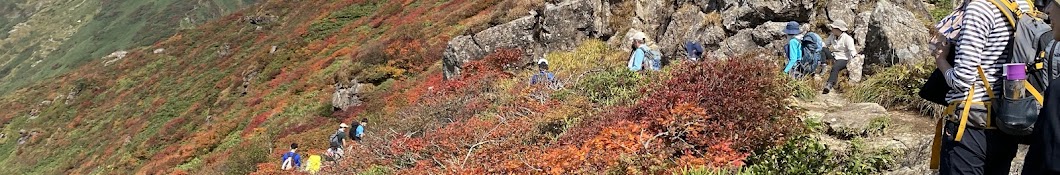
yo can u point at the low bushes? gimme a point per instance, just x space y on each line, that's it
712 113
897 87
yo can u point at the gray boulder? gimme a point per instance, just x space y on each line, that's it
841 10
767 36
894 36
346 95
559 27
515 34
687 24
855 120
742 14
565 25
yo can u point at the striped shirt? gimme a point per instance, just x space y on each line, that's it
982 42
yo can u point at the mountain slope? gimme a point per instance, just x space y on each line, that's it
45 38
218 99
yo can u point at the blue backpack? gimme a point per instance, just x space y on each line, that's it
653 57
812 46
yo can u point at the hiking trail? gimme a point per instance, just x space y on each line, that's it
906 133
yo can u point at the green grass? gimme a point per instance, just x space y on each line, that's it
323 28
104 28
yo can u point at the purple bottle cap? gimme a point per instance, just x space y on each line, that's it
1016 71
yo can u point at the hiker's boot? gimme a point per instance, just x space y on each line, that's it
827 88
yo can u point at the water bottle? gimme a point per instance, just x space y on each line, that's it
1015 75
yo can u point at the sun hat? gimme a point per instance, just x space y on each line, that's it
542 61
343 125
639 36
839 24
792 28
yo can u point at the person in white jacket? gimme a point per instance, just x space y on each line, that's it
842 47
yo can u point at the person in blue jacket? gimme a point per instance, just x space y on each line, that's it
636 59
291 160
543 75
794 46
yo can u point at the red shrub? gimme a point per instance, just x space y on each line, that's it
739 99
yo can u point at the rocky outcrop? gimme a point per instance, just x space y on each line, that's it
886 31
742 14
558 27
894 35
841 10
859 119
249 75
688 24
114 57
346 95
766 36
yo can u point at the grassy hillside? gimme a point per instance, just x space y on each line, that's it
44 38
183 110
219 100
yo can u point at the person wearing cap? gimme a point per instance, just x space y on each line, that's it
291 159
338 139
794 47
543 75
636 59
972 146
842 47
1043 157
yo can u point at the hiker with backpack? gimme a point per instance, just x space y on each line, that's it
980 132
794 46
803 51
693 51
358 130
543 75
291 160
1043 157
336 141
643 54
842 47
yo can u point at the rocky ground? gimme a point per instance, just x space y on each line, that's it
908 133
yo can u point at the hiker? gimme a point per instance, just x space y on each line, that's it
963 143
794 49
313 165
636 59
543 75
1043 157
842 47
693 51
337 140
358 130
291 160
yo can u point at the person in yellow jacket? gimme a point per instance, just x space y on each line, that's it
313 165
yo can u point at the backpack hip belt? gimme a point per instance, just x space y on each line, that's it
962 121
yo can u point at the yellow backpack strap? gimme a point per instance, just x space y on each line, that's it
986 82
936 145
964 114
1037 95
1008 8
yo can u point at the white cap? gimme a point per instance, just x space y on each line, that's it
343 125
542 61
639 36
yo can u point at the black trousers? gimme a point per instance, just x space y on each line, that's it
980 152
839 65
